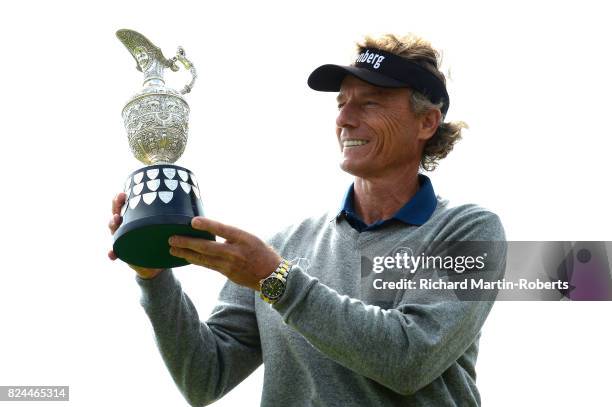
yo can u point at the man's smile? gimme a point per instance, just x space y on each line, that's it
353 143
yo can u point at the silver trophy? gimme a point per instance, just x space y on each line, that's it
162 198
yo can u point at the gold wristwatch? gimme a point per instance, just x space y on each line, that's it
272 287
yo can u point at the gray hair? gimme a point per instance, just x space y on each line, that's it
420 51
445 137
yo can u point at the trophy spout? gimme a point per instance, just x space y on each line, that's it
149 59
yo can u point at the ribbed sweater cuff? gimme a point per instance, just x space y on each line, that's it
157 291
298 285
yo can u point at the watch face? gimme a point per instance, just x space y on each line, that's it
272 288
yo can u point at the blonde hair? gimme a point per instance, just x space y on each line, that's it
420 51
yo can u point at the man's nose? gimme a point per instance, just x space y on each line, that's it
347 116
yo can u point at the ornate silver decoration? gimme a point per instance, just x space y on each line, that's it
156 118
124 208
128 183
149 58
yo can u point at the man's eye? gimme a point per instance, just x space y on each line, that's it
369 103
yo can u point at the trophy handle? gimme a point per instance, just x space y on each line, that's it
180 56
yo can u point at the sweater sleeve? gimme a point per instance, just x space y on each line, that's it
403 348
205 359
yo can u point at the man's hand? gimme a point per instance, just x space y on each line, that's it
114 224
242 258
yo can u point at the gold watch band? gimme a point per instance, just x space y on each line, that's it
280 274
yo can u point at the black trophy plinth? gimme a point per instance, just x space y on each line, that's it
161 201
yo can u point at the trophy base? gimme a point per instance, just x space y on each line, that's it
161 201
144 242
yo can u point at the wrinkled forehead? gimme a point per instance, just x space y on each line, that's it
351 85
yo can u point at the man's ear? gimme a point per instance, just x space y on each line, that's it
429 123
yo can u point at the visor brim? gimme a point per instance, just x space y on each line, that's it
328 78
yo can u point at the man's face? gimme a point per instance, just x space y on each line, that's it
376 129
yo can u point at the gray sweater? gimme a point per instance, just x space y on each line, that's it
325 343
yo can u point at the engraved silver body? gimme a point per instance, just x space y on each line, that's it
156 118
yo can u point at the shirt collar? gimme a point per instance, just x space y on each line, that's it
415 212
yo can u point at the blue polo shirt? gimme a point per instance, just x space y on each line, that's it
415 212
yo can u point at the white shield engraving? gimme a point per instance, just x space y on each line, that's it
169 172
138 177
165 196
128 183
153 184
186 187
134 201
183 175
137 189
152 174
171 184
149 197
196 191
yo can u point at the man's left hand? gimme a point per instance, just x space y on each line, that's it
243 258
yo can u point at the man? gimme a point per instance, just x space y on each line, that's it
324 339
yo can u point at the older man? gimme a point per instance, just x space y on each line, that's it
324 339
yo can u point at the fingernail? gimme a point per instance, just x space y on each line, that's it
171 240
197 221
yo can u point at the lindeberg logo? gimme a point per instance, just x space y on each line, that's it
370 58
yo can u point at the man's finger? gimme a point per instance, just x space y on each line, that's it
114 223
118 202
207 247
112 255
211 262
217 228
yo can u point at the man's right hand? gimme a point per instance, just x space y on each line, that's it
114 224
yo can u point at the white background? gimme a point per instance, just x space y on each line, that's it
531 80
